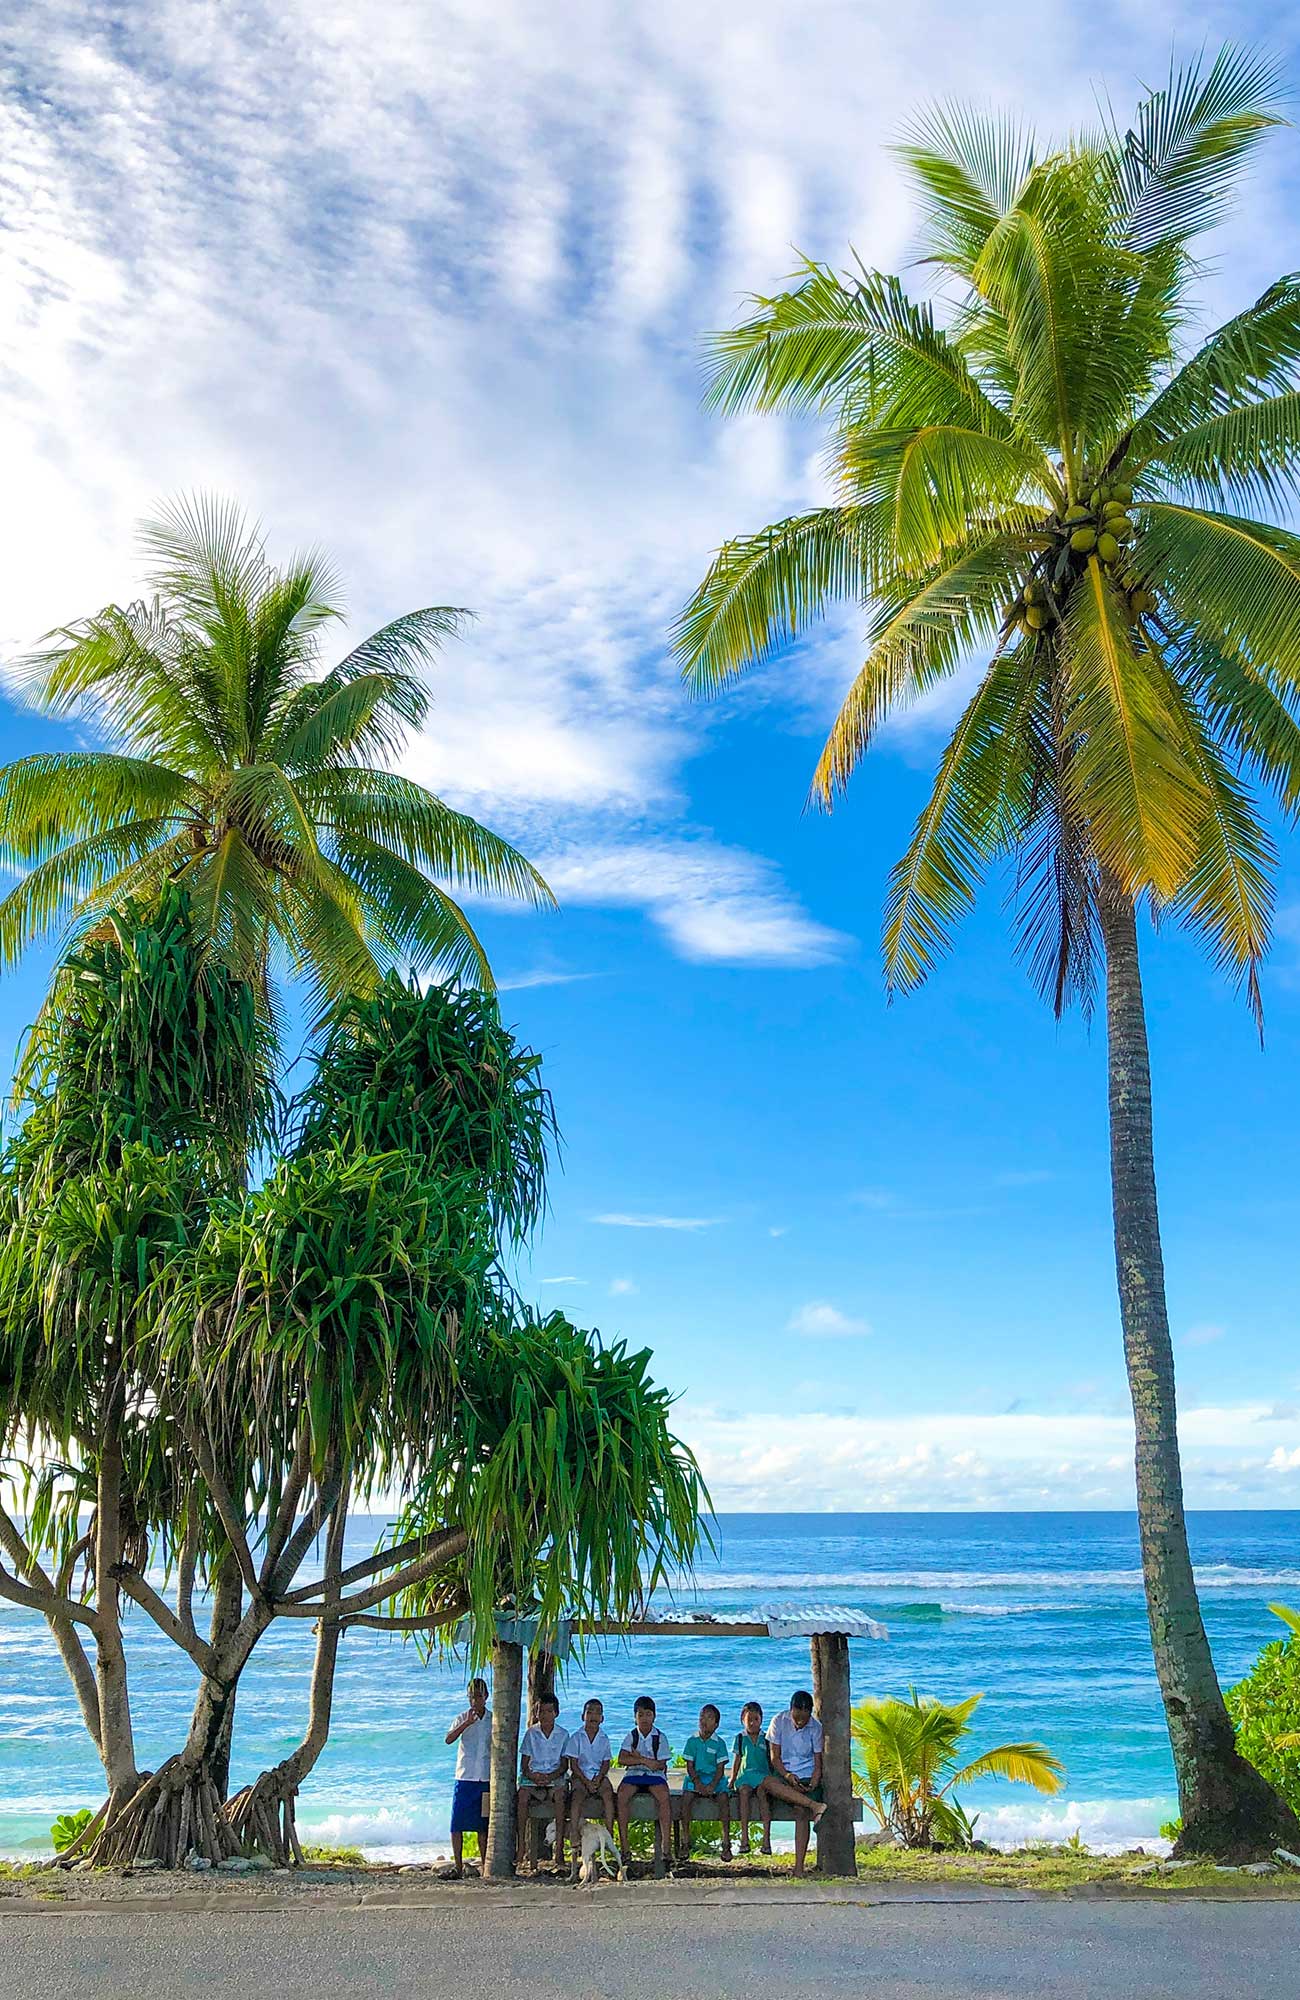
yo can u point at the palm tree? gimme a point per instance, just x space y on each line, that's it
1044 483
241 768
906 1755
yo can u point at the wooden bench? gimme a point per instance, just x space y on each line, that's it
643 1807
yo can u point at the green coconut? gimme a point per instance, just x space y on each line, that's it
1120 526
1107 548
1111 509
1036 617
1095 499
1033 591
1124 493
1082 540
1076 513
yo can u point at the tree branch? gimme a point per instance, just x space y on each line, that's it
225 1507
328 1489
164 1618
71 1650
401 1552
278 1532
185 1567
452 1544
47 1601
375 1622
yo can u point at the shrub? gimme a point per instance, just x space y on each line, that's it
1265 1710
69 1826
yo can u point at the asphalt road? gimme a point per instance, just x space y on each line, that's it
608 1946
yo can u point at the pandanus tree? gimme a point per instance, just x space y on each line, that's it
219 1375
1039 484
233 760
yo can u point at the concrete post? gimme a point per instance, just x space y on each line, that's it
507 1692
832 1702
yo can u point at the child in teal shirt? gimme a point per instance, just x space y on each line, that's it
751 1768
706 1774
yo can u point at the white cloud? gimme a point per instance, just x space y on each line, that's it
713 903
656 1221
561 1281
823 1460
520 980
621 1288
463 348
819 1320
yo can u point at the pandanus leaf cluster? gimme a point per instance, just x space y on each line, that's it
1046 486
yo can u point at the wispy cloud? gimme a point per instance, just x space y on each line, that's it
561 1281
713 904
517 982
819 1320
621 1221
621 1288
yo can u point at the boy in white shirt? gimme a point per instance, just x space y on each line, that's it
795 1741
544 1773
471 1732
644 1760
589 1758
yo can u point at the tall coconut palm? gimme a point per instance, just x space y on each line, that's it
239 766
1040 482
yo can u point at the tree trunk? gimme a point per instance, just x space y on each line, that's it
507 1692
832 1702
263 1815
1228 1809
116 1737
541 1678
227 1610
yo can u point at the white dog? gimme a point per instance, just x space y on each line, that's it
599 1855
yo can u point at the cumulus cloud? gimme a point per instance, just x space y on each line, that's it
714 904
819 1320
825 1460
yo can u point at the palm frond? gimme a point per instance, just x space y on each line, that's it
763 590
1236 578
48 797
970 167
1181 160
1021 1763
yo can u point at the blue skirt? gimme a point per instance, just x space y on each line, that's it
469 1802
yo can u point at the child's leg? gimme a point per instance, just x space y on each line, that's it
524 1799
724 1814
765 1808
560 1807
745 1797
664 1809
607 1805
624 1798
802 1825
580 1797
458 1852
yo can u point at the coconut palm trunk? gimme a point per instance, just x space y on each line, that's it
1226 1805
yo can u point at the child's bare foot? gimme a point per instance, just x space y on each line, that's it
817 1812
766 1848
726 1854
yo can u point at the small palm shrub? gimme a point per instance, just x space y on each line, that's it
1265 1710
908 1759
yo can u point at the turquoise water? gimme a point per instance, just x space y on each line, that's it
1042 1611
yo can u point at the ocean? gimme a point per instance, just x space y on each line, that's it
1043 1613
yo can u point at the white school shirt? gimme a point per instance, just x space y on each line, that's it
645 1745
546 1754
474 1751
589 1752
799 1748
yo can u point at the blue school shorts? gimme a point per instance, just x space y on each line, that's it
639 1778
469 1804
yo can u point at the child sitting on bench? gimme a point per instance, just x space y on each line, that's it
643 1759
544 1773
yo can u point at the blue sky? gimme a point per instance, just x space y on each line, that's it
425 284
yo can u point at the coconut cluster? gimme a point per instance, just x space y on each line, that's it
1099 527
1103 525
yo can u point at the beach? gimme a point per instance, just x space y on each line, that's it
1043 1612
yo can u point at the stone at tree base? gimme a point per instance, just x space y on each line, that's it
198 1864
235 1864
1260 1868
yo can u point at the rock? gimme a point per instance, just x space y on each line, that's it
82 1867
143 1866
1260 1868
261 1863
1168 1867
198 1864
1146 1868
235 1864
1285 1854
1227 1868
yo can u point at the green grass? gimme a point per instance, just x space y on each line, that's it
334 1857
1047 1867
